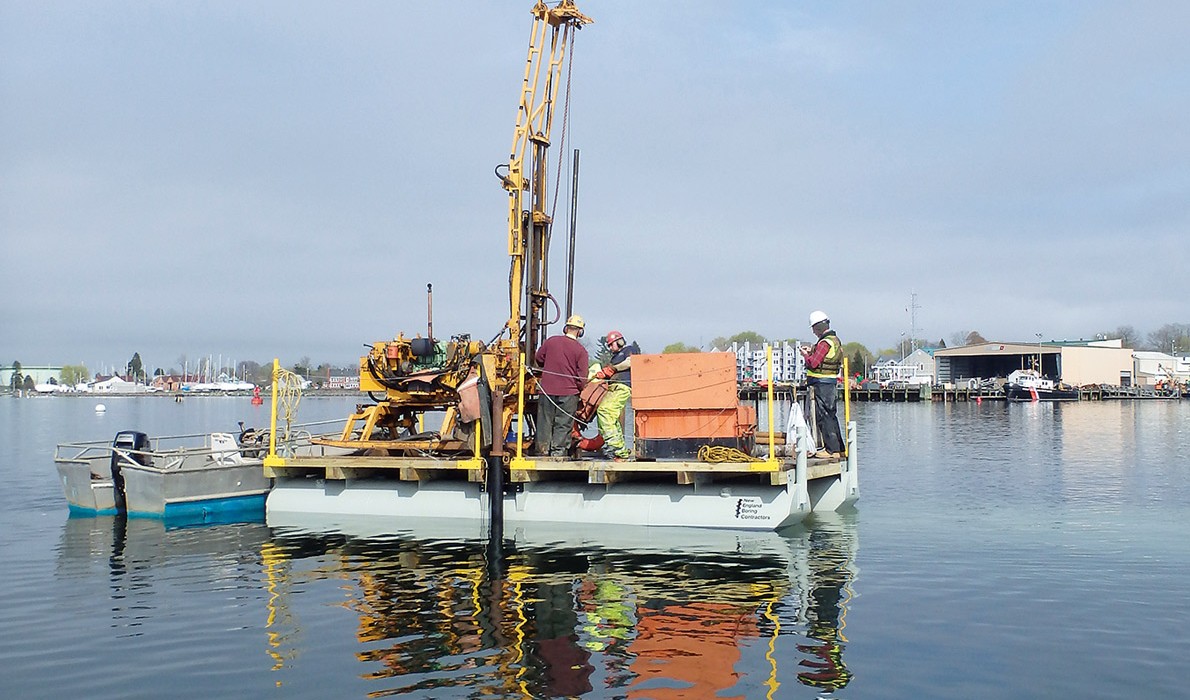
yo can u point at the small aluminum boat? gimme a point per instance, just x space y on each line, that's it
190 476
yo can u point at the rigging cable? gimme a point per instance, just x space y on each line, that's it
565 119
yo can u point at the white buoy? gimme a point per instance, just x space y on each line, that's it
100 408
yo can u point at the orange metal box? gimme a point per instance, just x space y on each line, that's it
667 424
703 380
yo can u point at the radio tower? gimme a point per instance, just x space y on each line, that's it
913 307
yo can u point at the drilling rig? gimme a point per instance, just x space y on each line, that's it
471 382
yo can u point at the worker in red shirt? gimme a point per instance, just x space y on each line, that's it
563 362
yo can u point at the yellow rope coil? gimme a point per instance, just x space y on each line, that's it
722 453
289 394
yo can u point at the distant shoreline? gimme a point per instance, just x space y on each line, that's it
265 394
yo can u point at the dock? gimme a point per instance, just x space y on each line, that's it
943 394
953 394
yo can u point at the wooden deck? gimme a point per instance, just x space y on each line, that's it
592 471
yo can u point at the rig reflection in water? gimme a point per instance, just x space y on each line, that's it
652 613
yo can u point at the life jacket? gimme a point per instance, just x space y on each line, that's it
829 369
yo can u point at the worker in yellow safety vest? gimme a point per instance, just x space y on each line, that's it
823 363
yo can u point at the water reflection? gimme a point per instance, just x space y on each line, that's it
136 555
625 612
551 613
832 569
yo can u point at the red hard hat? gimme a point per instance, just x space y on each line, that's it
613 336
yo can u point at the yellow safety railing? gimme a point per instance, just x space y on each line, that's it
272 459
846 401
476 461
519 462
771 462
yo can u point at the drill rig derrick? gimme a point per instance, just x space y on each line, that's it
418 375
528 221
529 298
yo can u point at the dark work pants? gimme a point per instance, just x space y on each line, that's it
824 413
555 417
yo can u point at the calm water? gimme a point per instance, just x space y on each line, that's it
998 551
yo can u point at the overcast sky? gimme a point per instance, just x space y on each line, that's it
265 179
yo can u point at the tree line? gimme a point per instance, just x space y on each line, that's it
1172 338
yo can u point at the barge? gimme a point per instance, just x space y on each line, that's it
775 478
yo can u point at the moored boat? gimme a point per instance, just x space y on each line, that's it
1029 385
184 476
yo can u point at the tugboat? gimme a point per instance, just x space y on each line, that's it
1029 385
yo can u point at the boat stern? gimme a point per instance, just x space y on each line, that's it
87 487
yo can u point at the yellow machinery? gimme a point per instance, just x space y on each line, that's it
468 380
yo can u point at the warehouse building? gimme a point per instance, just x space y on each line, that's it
1075 362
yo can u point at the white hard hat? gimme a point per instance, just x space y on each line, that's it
817 317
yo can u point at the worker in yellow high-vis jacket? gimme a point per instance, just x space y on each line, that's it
618 375
822 372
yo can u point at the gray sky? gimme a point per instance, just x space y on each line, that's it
283 178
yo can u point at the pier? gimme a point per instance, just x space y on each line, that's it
960 394
956 394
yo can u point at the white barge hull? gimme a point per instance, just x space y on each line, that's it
734 507
315 489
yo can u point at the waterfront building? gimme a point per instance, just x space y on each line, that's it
41 374
342 382
789 367
1076 362
1152 368
918 367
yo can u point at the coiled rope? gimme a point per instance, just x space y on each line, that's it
722 453
289 394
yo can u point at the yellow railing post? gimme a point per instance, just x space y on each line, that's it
272 460
772 460
476 461
846 401
519 462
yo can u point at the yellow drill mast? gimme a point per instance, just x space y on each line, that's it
418 375
529 227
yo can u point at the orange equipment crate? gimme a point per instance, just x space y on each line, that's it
683 401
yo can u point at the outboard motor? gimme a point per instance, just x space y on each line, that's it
250 441
127 440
